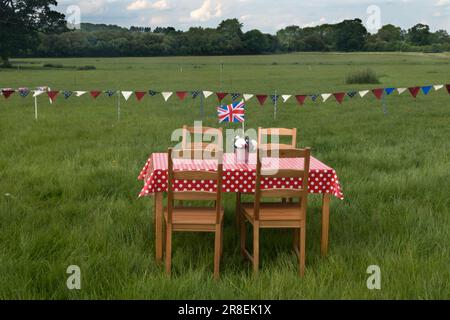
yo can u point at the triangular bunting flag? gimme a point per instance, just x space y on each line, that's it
339 96
352 94
110 93
37 93
67 94
221 95
7 93
207 94
166 95
24 92
314 97
235 96
181 95
52 95
401 90
195 94
389 91
414 91
95 94
286 97
248 96
152 93
140 95
127 94
274 98
325 96
363 93
448 88
378 93
438 87
80 93
301 99
261 98
426 90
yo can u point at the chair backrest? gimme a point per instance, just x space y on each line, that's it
197 175
277 132
191 140
296 173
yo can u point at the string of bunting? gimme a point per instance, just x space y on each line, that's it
261 98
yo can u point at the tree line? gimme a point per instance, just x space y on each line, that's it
33 29
229 39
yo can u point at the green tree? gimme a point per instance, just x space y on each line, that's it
390 33
350 35
21 21
420 35
256 42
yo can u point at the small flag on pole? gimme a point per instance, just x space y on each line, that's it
234 112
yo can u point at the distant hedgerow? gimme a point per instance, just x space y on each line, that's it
362 77
83 68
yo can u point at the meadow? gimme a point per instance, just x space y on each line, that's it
68 182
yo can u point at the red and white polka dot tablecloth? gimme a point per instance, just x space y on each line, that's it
237 177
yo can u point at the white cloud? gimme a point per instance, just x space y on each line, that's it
207 11
440 3
144 4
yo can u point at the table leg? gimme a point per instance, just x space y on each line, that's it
238 209
159 219
325 223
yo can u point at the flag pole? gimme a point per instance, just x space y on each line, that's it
275 106
35 108
118 105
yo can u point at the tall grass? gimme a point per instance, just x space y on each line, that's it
68 182
365 76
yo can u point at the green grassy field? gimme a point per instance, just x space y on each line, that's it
68 182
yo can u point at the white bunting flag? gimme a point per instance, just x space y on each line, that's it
127 94
80 93
363 93
167 95
325 96
401 90
438 87
247 96
207 94
286 97
37 93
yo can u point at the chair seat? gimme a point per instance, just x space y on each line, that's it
194 216
273 212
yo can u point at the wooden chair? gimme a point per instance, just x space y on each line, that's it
278 215
276 132
189 141
199 219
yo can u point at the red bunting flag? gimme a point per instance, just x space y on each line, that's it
261 98
7 93
221 95
448 88
414 91
301 99
52 95
339 96
182 95
95 94
378 93
140 95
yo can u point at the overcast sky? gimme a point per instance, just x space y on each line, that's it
265 15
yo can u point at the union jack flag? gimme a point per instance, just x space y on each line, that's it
234 112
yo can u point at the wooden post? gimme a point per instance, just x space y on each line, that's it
325 223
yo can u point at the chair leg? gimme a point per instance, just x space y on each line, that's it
238 209
302 255
243 236
169 249
217 248
295 241
256 247
221 241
